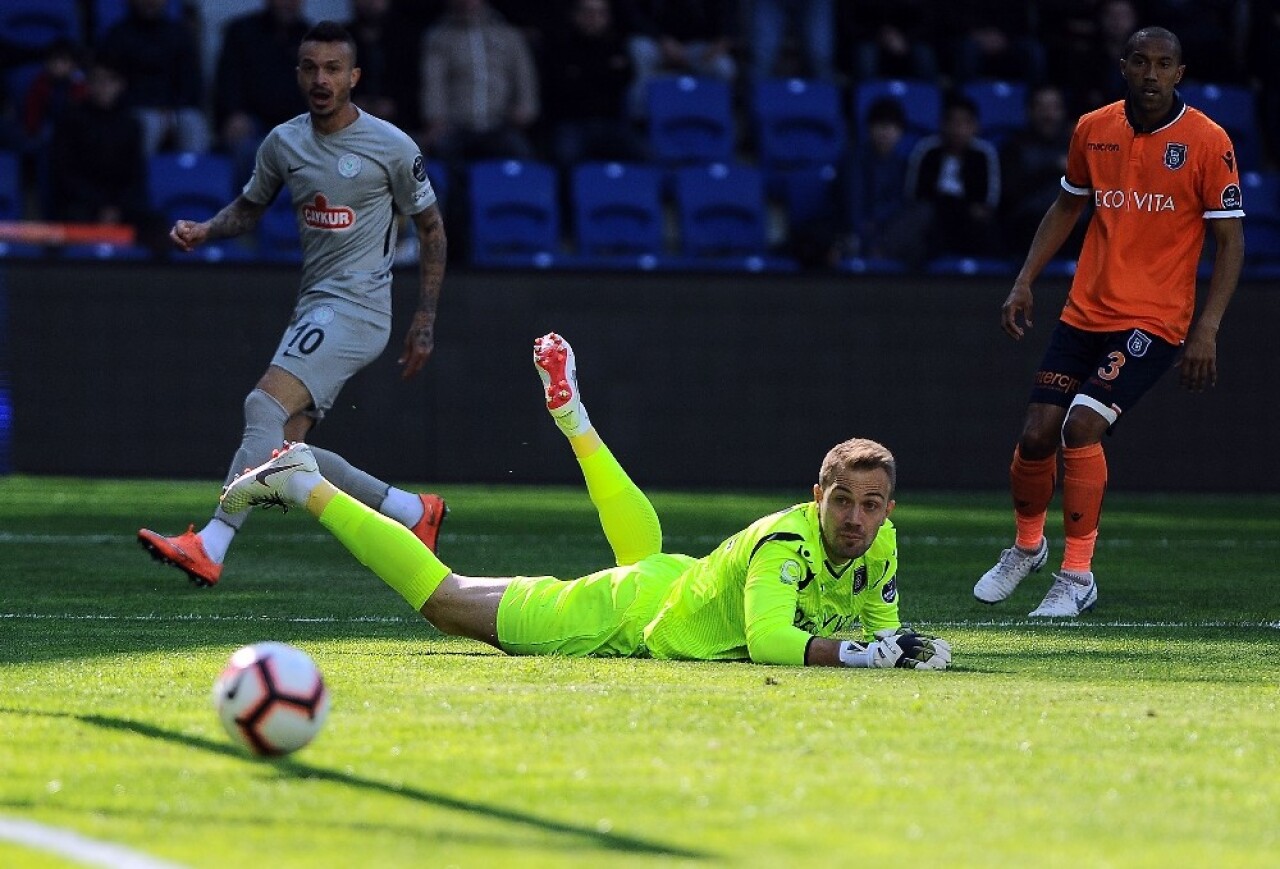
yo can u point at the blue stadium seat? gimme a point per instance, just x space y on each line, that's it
721 210
189 186
1002 107
921 101
798 122
438 175
1232 106
108 12
691 119
10 186
967 265
617 209
38 23
515 213
106 252
807 193
1262 216
278 239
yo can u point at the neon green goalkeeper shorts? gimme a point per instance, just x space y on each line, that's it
603 614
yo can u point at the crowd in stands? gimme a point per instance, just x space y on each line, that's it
918 175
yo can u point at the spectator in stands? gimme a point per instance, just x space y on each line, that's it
1264 36
479 86
586 73
813 24
377 55
161 64
992 39
1087 52
1032 163
256 86
877 177
59 84
98 161
955 176
889 39
686 37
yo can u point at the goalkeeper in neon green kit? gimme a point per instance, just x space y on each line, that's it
774 593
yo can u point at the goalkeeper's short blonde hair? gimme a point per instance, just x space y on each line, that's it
861 454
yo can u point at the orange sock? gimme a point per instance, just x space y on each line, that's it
1084 482
1032 484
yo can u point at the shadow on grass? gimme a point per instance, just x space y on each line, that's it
295 769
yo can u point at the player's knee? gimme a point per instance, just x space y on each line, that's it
1036 444
1083 427
261 410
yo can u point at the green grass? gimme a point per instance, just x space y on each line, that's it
1146 734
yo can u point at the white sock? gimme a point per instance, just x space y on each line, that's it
298 487
216 539
404 507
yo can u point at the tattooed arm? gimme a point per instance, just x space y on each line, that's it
432 253
236 219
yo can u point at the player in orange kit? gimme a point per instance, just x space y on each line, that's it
1158 172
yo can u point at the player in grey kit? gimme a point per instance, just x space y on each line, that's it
347 173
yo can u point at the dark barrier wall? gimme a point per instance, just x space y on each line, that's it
695 380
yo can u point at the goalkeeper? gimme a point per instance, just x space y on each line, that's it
776 592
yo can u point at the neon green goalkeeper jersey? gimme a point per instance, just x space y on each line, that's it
769 589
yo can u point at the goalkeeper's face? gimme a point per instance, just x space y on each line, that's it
851 510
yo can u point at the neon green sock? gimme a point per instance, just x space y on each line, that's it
386 547
629 521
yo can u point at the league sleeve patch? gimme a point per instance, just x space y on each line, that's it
790 573
890 591
419 169
1231 197
859 578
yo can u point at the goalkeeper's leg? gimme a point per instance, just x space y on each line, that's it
627 516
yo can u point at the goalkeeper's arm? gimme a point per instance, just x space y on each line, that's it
891 648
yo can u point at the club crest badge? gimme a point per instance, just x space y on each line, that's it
790 573
1175 154
1138 343
349 165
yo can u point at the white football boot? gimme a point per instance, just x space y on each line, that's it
1070 595
268 485
1014 566
553 357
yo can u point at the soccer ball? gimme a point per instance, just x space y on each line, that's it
271 698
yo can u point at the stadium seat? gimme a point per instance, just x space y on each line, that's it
189 186
921 100
807 193
515 212
1232 106
10 186
967 265
798 122
721 210
38 23
617 209
278 239
691 119
1262 216
438 174
1002 107
106 252
108 12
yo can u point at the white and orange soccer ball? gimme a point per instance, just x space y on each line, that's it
271 698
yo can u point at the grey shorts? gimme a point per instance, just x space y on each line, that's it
327 341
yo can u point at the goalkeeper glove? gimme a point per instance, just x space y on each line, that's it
919 651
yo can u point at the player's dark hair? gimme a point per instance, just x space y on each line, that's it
887 110
332 31
958 101
1154 33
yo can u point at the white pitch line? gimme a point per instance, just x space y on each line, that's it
77 847
409 620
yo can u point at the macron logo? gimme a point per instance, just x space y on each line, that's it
321 215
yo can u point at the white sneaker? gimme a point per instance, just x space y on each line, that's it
266 485
553 357
1070 595
1014 566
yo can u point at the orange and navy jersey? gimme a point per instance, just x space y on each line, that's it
1152 192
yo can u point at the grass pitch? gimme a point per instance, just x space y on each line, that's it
1145 734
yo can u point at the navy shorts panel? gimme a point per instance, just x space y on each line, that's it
1115 369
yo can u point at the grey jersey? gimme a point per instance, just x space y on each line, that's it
345 187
